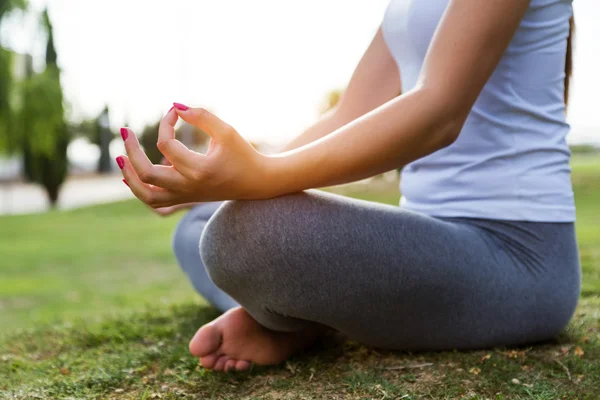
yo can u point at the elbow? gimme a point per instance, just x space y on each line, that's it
445 118
444 133
449 134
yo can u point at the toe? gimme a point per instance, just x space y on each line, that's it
209 361
206 341
220 364
242 365
230 365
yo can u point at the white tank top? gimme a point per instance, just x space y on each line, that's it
511 160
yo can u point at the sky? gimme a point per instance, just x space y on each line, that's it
263 66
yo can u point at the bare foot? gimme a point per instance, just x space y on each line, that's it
235 340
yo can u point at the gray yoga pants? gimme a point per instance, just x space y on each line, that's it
382 275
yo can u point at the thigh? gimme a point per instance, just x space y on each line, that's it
382 275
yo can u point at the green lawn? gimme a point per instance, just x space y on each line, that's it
93 305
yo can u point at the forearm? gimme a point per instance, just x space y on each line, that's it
327 124
401 131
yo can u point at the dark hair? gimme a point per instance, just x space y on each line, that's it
569 59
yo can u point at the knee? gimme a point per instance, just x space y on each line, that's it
246 244
237 241
225 241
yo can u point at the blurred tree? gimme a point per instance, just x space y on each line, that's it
51 56
6 111
7 117
7 6
148 141
97 131
85 128
43 129
103 136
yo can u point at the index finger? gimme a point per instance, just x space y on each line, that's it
180 156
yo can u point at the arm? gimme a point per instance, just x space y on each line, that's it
375 81
465 50
467 46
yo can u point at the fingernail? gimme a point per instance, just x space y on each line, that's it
125 182
124 133
170 109
180 106
120 162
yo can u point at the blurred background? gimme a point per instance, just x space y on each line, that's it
265 67
73 72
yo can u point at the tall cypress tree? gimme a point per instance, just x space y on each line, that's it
45 135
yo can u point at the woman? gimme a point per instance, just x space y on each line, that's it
482 251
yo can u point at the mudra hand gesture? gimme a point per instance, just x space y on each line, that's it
231 168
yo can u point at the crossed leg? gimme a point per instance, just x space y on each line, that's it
386 277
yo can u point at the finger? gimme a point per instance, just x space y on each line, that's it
205 120
153 196
180 156
158 175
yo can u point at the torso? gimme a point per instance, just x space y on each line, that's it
511 160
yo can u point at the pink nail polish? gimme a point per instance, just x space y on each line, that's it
180 106
170 109
124 133
125 182
120 162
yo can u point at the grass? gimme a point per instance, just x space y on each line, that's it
92 305
85 263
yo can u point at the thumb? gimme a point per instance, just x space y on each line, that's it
205 120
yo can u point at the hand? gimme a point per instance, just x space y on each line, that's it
231 168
